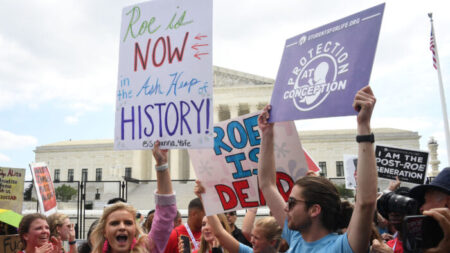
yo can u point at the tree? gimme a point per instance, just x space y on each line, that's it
343 192
27 193
65 192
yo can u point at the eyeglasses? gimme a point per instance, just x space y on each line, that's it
231 213
292 202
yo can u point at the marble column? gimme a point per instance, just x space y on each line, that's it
234 111
434 162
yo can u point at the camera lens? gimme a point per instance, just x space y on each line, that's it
395 203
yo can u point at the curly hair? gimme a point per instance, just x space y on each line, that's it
97 236
56 220
25 224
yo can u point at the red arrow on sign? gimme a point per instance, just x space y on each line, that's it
199 37
195 46
197 55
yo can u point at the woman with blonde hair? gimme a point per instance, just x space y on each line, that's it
62 228
117 230
209 242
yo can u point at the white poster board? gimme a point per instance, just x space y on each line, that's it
164 88
229 170
45 191
350 171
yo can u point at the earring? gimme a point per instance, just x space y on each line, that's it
133 244
105 246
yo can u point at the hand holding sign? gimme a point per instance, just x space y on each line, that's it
199 189
160 155
365 100
263 121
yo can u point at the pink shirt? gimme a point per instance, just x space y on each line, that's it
162 225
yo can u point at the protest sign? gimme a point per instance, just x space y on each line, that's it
229 170
409 165
321 70
11 189
350 162
164 88
10 243
45 191
312 166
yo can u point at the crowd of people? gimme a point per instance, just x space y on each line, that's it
314 219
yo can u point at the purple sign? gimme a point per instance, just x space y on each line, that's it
321 70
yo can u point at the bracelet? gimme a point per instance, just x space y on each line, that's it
162 167
72 242
365 138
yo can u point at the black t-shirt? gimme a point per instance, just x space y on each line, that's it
237 234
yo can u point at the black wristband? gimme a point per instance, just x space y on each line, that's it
72 242
365 138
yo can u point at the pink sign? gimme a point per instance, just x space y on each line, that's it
229 170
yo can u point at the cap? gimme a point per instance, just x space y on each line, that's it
441 183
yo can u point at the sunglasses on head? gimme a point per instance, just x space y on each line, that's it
292 202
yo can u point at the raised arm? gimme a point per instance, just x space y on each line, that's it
266 169
366 192
226 240
166 209
247 223
164 184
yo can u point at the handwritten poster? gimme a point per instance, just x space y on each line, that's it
10 243
409 165
164 88
312 166
229 170
11 188
321 70
44 188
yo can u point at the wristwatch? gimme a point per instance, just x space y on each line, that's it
365 138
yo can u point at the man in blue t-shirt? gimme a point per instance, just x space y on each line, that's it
312 213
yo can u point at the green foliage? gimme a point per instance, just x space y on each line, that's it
27 193
343 192
65 193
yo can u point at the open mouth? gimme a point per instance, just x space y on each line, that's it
122 239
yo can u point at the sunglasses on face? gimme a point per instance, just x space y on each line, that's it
292 202
231 213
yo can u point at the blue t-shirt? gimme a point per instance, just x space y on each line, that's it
244 248
330 243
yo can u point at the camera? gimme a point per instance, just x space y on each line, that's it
421 232
396 203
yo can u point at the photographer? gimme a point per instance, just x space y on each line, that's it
434 199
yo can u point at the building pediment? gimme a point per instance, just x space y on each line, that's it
224 77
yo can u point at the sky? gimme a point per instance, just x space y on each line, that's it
59 64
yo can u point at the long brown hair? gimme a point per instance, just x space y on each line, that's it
204 246
98 238
25 224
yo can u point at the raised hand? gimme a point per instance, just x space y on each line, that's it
199 189
263 118
160 155
364 102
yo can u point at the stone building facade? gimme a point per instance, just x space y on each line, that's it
235 93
